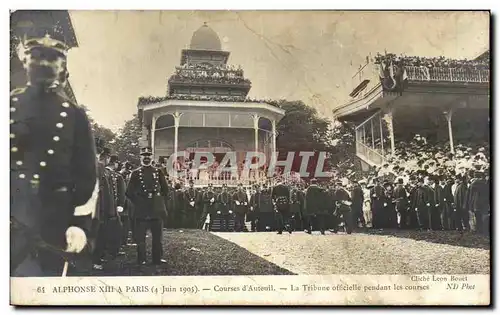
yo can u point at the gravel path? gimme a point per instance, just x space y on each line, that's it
396 252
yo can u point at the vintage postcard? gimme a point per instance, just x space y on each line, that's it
250 157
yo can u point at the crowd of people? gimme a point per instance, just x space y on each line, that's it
431 62
222 74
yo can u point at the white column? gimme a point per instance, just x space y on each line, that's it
153 129
256 131
273 139
388 119
177 117
448 115
381 132
373 135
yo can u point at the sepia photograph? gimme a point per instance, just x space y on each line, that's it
162 157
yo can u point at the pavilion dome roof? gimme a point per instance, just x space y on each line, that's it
205 38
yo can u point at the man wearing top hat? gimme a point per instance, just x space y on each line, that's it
357 197
265 210
343 204
281 200
296 206
147 190
401 206
118 187
478 202
315 205
253 214
460 201
209 206
377 203
52 163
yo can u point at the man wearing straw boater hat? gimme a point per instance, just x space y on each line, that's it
52 162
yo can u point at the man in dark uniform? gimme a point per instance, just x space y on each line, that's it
401 199
421 202
224 209
444 200
181 220
240 204
191 205
357 198
104 205
119 230
389 218
460 200
147 190
377 203
343 207
125 171
281 200
296 206
266 210
253 214
209 205
478 202
52 163
315 203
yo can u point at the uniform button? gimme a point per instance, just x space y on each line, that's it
50 151
63 114
65 104
56 138
19 163
22 176
13 149
12 109
12 136
43 163
12 121
35 176
15 99
59 125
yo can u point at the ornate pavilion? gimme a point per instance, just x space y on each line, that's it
206 108
441 99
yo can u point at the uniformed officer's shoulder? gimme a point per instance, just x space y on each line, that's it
135 171
17 91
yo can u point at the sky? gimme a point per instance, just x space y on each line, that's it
294 55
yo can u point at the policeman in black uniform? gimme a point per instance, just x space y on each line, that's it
147 190
209 206
121 226
52 163
281 200
296 205
240 205
191 204
224 208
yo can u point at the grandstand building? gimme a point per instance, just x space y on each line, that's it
206 109
395 98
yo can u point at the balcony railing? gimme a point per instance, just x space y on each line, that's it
252 179
447 74
368 154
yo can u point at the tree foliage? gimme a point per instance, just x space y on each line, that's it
302 129
127 141
106 135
